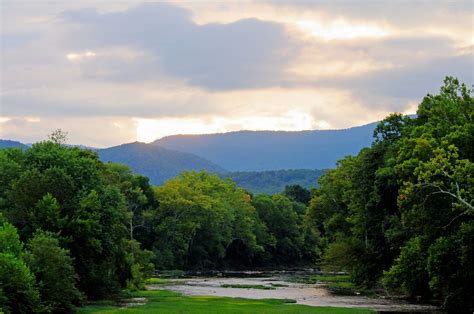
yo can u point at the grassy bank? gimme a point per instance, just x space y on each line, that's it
161 301
338 284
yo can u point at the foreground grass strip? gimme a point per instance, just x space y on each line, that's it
162 301
261 287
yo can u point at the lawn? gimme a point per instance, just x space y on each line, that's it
162 301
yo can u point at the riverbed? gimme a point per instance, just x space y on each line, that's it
282 285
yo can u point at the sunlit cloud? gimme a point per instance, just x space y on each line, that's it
341 29
149 130
32 119
128 71
80 56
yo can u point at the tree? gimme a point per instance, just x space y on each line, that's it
297 193
18 291
64 190
402 210
201 220
58 136
283 223
54 271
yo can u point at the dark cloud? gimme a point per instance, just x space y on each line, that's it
249 53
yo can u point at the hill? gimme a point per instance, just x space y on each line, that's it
271 182
273 150
155 162
10 144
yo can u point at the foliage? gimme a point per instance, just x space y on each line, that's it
297 193
274 181
18 291
401 211
202 220
70 195
408 274
54 272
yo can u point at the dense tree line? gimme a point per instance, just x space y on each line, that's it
64 229
401 212
274 181
73 228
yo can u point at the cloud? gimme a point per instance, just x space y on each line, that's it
249 53
394 89
89 70
408 13
112 130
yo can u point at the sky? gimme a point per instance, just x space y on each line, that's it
111 72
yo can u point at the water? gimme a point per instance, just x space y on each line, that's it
285 287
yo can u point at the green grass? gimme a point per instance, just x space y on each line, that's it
157 281
338 284
278 285
162 301
261 287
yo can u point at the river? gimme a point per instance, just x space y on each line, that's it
285 285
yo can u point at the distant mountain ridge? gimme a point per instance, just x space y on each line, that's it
155 162
273 150
11 144
255 160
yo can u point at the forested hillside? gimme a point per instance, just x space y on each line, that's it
9 144
273 150
398 217
157 163
271 182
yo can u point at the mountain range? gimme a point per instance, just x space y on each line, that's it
273 150
157 163
254 159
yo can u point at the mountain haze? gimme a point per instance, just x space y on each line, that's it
259 161
273 150
274 181
155 162
11 144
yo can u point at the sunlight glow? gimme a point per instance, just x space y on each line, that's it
149 130
32 119
79 56
340 29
